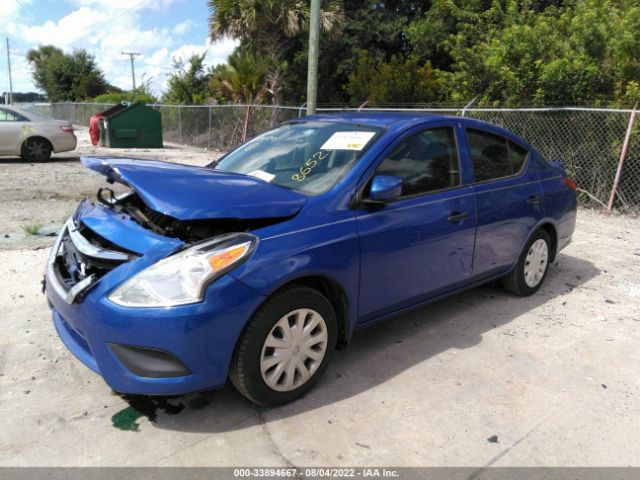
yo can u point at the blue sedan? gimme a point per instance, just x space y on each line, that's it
257 267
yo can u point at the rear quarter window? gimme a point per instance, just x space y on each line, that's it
8 116
494 156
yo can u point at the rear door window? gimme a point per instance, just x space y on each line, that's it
494 156
7 116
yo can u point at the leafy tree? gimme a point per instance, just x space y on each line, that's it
271 29
393 82
65 77
241 81
379 27
188 84
513 52
142 93
504 52
40 58
24 97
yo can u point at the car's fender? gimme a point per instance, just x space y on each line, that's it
544 221
330 251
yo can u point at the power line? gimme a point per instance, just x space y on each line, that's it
110 19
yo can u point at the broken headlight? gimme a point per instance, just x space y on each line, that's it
183 277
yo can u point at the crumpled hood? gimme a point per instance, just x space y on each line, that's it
195 193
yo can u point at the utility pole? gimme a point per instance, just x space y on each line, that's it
133 74
314 46
10 82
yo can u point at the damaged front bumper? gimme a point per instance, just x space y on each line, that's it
53 277
156 351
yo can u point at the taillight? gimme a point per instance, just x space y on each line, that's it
570 183
66 128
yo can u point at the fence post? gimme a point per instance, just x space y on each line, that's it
180 124
464 110
209 132
623 155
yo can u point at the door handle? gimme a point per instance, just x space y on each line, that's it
533 199
458 217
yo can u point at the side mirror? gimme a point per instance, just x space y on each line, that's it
385 188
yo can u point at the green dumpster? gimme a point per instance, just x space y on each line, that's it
131 125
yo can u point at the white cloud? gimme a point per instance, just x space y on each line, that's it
183 27
20 75
158 65
162 5
67 31
158 58
218 52
11 28
105 28
126 4
10 12
215 52
8 8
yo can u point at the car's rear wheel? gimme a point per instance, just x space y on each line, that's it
36 149
286 347
530 271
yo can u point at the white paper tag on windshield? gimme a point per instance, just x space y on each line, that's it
267 177
347 141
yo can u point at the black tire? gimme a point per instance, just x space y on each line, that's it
36 149
245 373
515 281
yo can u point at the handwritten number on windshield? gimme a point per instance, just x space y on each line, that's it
308 166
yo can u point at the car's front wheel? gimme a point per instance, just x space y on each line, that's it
286 346
530 271
36 149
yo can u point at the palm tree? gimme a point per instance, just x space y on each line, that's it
242 81
266 28
37 56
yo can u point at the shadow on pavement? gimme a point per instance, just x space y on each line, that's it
375 355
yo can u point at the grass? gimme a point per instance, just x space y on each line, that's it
32 228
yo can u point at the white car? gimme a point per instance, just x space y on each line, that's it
33 137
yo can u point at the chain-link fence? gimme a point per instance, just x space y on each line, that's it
219 127
587 141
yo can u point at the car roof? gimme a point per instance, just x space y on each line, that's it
377 119
404 120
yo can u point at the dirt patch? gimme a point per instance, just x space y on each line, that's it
40 196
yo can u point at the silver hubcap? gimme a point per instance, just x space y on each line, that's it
293 350
36 149
535 263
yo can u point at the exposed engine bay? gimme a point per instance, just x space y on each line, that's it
190 231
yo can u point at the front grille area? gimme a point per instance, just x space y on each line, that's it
83 257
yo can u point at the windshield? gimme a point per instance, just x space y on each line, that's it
306 156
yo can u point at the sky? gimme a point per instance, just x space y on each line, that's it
158 29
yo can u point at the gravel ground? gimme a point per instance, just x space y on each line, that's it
45 194
480 379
